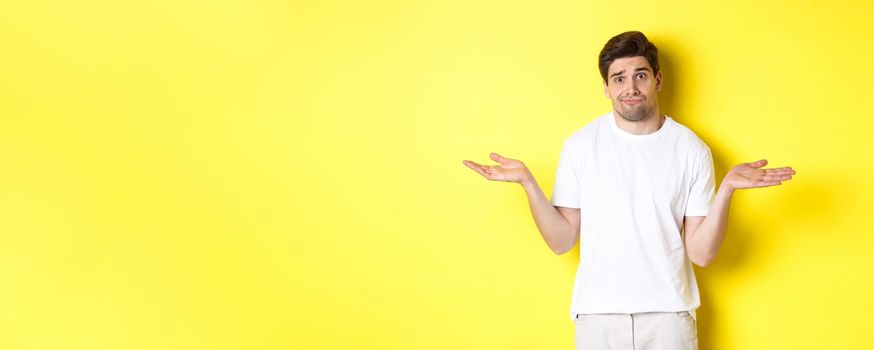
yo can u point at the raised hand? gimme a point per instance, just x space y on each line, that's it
750 175
510 170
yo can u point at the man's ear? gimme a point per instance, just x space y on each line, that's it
659 81
606 93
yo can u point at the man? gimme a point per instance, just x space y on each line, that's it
637 189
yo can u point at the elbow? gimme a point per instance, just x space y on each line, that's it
560 249
702 260
565 242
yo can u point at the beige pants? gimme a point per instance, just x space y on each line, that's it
643 331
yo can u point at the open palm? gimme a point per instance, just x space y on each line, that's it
510 170
751 175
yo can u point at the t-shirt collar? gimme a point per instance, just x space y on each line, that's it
634 137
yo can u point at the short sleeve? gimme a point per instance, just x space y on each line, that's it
566 191
703 183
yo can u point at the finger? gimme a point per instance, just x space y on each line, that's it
476 167
470 164
780 171
776 177
751 173
498 158
759 163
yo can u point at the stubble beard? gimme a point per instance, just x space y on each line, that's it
634 113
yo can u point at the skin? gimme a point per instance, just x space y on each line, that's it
633 89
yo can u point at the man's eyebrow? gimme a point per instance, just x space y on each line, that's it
645 69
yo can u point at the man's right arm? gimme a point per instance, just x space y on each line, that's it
559 226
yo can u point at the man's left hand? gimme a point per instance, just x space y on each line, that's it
751 175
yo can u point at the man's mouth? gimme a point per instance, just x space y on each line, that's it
631 101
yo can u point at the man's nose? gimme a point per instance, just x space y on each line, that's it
634 90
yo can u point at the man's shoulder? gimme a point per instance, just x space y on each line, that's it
689 137
587 131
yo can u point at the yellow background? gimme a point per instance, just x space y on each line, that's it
287 175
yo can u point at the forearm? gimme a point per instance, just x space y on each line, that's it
554 228
703 244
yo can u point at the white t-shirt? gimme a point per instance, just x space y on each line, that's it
633 192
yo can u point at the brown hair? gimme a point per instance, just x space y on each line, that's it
628 44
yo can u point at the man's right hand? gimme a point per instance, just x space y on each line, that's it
559 227
510 170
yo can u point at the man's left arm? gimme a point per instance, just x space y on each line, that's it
704 234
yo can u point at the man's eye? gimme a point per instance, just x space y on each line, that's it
617 80
641 76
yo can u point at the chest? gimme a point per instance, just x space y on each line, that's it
620 175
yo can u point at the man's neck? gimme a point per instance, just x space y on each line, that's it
648 125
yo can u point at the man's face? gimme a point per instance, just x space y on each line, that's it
633 88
